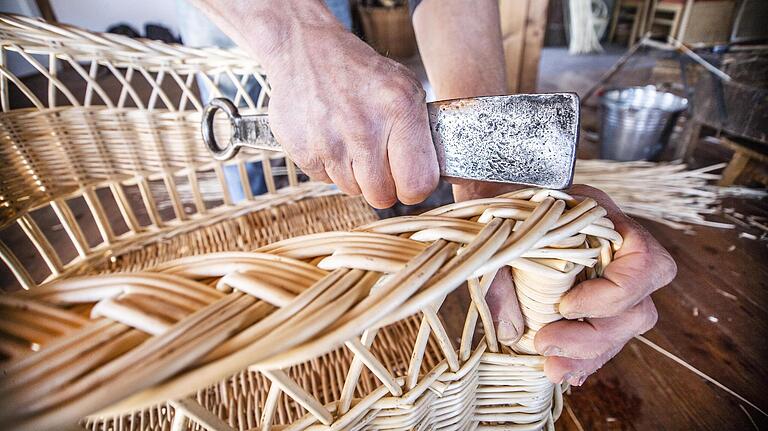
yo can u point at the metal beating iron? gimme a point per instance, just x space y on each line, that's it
523 139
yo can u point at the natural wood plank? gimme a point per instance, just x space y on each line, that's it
535 26
513 17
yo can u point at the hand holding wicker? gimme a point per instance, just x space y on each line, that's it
127 341
615 307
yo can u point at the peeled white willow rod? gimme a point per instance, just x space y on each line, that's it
696 371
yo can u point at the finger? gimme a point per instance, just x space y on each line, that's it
340 172
640 267
375 179
505 310
592 338
574 371
411 153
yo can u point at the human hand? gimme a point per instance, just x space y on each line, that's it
614 308
347 115
342 112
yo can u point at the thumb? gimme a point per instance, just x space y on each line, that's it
502 301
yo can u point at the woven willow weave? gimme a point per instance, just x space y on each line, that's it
283 308
101 155
202 314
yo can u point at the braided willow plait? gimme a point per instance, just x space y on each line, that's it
123 342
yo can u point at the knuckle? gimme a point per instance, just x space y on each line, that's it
656 257
349 189
640 318
307 162
380 197
405 96
382 200
415 188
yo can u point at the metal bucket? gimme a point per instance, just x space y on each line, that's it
637 122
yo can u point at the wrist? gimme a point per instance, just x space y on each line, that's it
271 30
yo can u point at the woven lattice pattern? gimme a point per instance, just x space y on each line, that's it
120 139
188 323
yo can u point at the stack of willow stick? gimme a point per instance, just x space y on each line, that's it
668 193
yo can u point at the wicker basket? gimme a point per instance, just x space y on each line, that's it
194 312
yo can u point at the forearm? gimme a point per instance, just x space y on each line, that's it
461 49
268 29
463 55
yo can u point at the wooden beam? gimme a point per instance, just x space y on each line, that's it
522 30
513 15
535 26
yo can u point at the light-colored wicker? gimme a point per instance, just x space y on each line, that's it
217 326
303 313
100 153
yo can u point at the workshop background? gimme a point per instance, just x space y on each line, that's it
694 149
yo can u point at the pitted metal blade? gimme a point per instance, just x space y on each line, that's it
526 139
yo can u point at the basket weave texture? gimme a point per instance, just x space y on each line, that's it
203 314
282 309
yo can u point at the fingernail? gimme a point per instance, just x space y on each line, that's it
507 333
568 313
553 351
574 315
575 378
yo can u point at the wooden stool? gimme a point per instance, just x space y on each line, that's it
666 14
746 159
635 11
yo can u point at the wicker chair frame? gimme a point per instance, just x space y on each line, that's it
221 317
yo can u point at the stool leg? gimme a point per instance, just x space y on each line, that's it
688 140
635 24
735 167
676 18
614 20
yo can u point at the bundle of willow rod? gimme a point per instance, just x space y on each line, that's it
584 38
337 328
668 193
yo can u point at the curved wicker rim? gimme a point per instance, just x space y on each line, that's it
300 298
